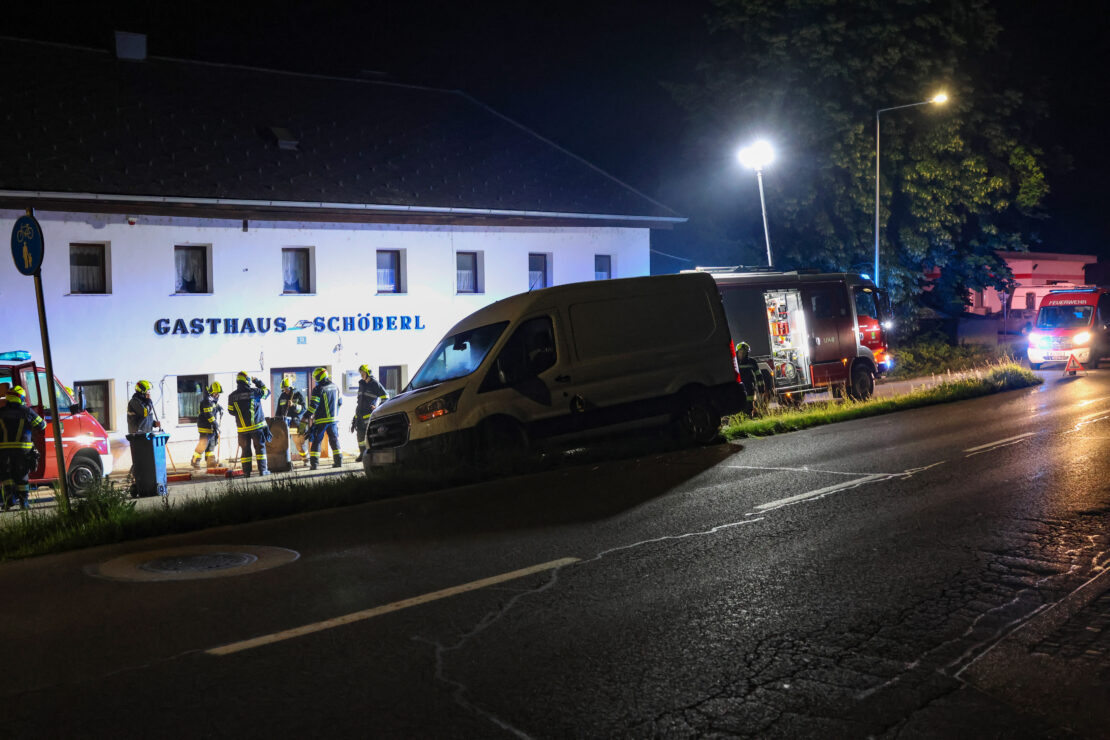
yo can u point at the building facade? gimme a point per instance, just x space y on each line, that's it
190 237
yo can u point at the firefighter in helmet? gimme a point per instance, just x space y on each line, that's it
245 404
323 408
208 426
370 394
18 456
750 376
290 406
141 418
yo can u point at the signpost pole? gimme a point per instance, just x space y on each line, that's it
50 386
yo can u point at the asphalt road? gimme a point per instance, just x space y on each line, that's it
864 579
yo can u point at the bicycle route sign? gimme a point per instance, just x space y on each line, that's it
27 245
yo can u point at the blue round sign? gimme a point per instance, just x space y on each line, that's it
27 245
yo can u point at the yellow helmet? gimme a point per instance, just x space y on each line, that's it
242 377
320 374
365 369
215 389
143 386
16 394
286 382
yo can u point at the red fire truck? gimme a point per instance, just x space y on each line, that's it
1071 322
808 331
84 441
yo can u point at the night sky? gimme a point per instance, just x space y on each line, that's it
588 75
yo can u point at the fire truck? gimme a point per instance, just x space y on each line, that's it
808 331
1070 322
84 441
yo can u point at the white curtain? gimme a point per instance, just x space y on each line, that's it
294 267
192 269
387 271
86 268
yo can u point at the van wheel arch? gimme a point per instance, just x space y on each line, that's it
500 444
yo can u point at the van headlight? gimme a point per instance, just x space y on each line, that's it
438 406
1081 338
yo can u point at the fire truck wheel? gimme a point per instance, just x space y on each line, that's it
84 472
863 383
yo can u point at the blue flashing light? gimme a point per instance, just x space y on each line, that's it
865 276
19 355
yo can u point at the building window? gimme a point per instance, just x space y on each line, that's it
390 279
467 275
296 270
978 299
96 399
191 268
390 378
603 267
1030 301
539 272
190 392
88 268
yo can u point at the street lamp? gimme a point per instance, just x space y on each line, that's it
935 100
757 156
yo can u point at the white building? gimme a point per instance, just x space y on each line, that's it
202 219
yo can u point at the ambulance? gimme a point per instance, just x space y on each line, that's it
84 441
1073 322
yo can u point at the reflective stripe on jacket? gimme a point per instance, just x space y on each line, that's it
245 404
325 402
206 421
370 393
16 424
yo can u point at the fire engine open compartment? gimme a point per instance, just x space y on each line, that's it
787 331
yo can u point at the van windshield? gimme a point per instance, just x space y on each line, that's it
1064 317
458 355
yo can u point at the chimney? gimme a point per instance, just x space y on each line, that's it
131 46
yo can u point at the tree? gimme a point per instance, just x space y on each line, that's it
958 181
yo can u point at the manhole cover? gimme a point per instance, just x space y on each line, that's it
193 562
199 563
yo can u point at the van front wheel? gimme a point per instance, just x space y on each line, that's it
696 423
84 473
502 445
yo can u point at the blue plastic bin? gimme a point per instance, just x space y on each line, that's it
148 463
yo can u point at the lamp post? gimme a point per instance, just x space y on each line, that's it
935 100
757 156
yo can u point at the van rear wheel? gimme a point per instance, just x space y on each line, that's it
695 423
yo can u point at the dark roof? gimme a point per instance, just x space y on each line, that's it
80 121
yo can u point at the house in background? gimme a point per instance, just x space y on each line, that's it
1036 273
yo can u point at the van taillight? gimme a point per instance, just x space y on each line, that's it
735 364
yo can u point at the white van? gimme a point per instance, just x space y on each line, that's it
563 363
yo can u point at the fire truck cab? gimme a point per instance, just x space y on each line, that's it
808 331
1070 322
84 441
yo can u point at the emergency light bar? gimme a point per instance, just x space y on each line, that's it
19 355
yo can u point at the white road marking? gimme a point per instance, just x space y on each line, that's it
308 629
997 443
1089 419
824 491
795 470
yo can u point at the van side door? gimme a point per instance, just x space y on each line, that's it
826 309
29 379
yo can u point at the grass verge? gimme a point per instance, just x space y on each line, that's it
932 354
985 381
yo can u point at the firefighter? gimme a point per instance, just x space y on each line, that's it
245 404
18 456
749 376
208 427
290 406
141 418
370 394
323 408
